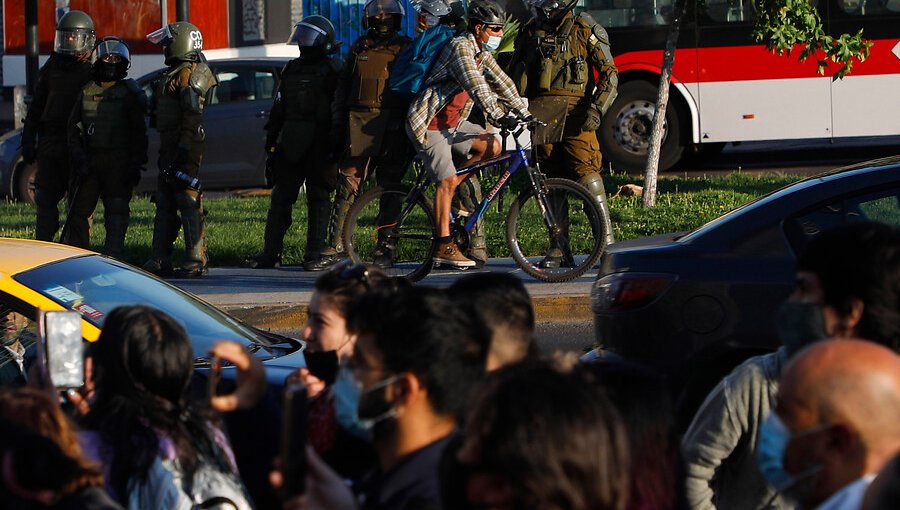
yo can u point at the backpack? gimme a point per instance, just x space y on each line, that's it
414 63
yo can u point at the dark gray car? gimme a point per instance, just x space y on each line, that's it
234 120
693 305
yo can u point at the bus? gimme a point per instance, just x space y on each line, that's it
726 87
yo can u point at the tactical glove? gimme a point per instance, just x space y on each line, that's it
592 122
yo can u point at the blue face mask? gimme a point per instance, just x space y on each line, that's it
348 393
799 324
492 43
774 437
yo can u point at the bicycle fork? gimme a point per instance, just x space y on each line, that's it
554 210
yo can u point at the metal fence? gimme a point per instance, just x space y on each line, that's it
347 15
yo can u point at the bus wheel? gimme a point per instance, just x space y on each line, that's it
625 131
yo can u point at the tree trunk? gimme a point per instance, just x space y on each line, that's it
662 101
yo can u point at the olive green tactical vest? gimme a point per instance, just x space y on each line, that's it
104 115
560 66
168 106
371 70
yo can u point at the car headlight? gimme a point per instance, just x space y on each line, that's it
619 292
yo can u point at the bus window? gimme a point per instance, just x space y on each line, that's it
629 13
869 7
726 11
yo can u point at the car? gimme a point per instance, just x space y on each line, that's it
233 155
694 305
36 275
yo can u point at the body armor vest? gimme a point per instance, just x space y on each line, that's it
370 73
65 80
304 90
559 64
167 112
104 115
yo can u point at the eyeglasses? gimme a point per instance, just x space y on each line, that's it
494 28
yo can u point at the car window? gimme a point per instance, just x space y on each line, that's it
882 206
93 286
244 85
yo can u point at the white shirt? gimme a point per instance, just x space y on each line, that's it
850 496
18 355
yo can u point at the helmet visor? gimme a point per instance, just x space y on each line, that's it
74 42
375 7
307 35
161 36
113 51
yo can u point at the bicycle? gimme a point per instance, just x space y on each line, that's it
398 222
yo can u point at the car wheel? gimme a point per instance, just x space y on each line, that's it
625 131
24 182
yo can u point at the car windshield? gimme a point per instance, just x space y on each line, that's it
93 286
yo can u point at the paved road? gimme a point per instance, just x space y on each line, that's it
277 299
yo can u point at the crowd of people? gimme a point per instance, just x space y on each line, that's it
429 398
331 125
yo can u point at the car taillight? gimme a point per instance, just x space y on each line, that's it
619 292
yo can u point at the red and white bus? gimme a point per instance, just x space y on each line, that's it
728 88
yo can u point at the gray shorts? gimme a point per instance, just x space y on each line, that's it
447 148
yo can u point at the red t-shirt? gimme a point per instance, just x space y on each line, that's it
448 118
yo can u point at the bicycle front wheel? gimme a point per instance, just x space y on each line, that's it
556 237
397 233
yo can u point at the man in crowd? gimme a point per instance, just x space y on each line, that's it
177 113
297 136
464 74
848 285
836 424
372 118
556 59
108 143
59 82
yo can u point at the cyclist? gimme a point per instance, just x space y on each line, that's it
464 74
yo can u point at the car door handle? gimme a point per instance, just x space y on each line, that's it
262 114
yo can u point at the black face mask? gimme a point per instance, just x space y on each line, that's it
799 324
323 364
382 27
311 53
110 72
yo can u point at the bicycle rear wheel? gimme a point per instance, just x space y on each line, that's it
571 228
385 228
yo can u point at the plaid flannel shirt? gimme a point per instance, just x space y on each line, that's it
456 70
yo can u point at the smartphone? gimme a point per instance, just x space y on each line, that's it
293 440
61 347
214 376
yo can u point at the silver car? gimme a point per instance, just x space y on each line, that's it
233 155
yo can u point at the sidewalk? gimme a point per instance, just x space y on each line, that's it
277 299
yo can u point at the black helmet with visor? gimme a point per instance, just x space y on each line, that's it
383 16
113 59
74 34
438 12
314 32
551 9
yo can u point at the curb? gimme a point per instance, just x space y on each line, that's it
292 317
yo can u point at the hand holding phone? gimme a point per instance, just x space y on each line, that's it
214 376
61 349
294 429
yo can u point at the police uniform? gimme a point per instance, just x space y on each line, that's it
299 127
553 66
108 140
177 113
371 119
59 82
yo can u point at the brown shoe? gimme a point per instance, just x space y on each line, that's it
450 255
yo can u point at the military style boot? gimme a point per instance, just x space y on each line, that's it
594 184
116 222
165 230
277 224
467 198
193 219
316 226
331 255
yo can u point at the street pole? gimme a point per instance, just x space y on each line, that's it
32 51
181 10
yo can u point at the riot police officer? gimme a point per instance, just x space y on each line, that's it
108 145
557 54
177 113
299 127
59 82
370 119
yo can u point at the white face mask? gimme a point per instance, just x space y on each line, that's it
492 43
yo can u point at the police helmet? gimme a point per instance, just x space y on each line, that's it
315 32
113 59
181 40
551 9
383 16
438 12
74 34
486 12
